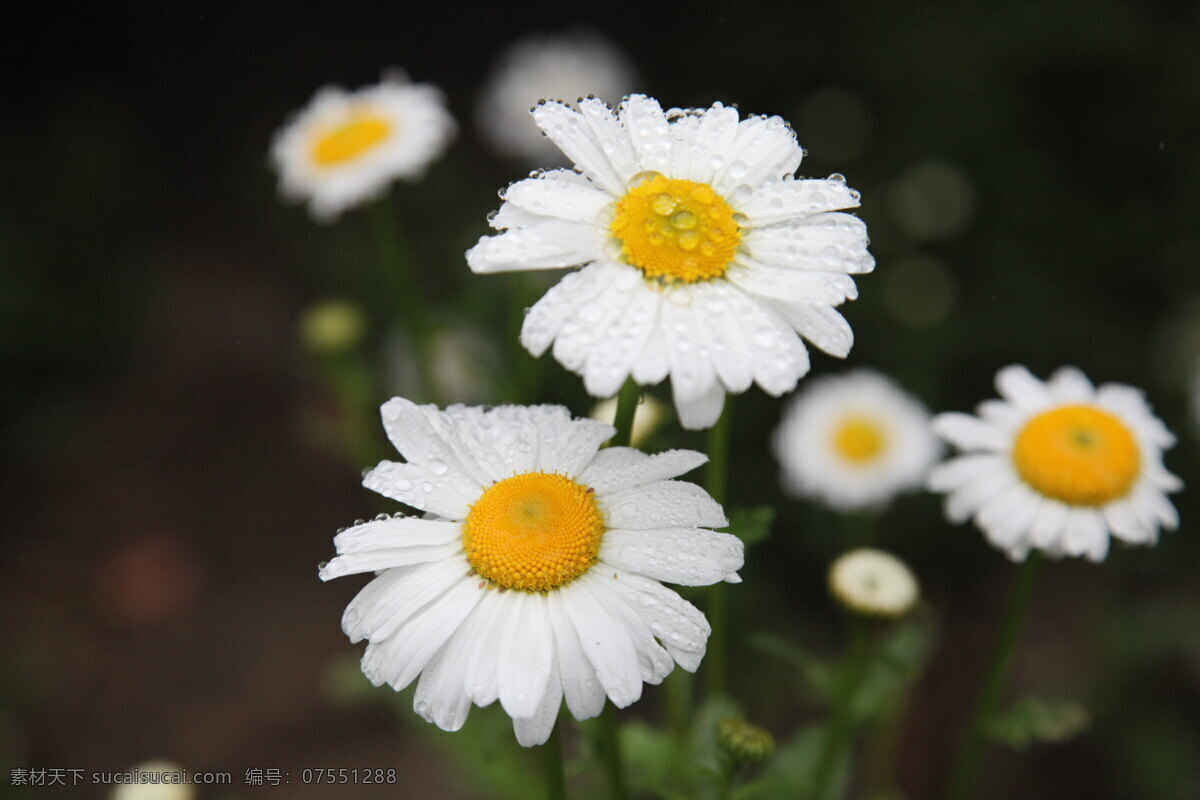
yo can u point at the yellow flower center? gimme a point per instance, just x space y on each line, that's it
533 532
676 230
349 139
859 439
1077 454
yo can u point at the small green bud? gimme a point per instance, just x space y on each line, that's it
746 742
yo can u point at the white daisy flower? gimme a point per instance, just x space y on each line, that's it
703 256
873 582
854 441
536 67
345 147
1058 466
534 576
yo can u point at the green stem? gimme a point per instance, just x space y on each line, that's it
404 288
962 783
552 764
627 403
717 480
608 747
841 723
678 690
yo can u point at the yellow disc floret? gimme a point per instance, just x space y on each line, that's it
676 230
859 440
349 139
533 532
1078 454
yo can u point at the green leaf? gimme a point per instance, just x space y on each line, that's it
1032 720
900 660
751 524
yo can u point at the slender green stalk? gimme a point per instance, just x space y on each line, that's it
405 291
552 764
841 723
678 690
627 403
608 746
717 482
962 782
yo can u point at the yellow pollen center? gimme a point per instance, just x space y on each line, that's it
349 139
859 439
1077 454
676 230
533 532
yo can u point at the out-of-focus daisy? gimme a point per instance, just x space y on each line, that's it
873 582
534 575
1058 466
704 258
538 67
346 147
155 780
854 441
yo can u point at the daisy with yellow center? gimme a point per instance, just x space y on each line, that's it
346 148
703 257
1059 466
533 577
854 441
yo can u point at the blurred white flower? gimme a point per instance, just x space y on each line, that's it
1058 466
534 575
873 582
704 258
854 441
156 780
345 148
544 67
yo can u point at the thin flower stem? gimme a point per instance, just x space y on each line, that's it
717 480
841 722
627 403
403 286
609 748
552 763
962 782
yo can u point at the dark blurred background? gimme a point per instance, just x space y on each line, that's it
170 454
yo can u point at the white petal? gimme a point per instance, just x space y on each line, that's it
423 435
624 337
441 696
548 315
416 487
647 128
1156 503
1082 531
526 655
1049 524
613 139
553 194
567 129
662 504
830 242
481 678
387 602
970 433
1019 386
686 334
723 308
584 694
678 624
373 560
687 556
1125 524
779 356
393 532
398 659
709 143
1069 384
821 325
795 286
699 413
605 642
1006 517
534 730
778 201
654 362
653 659
616 468
962 504
958 472
763 149
550 244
